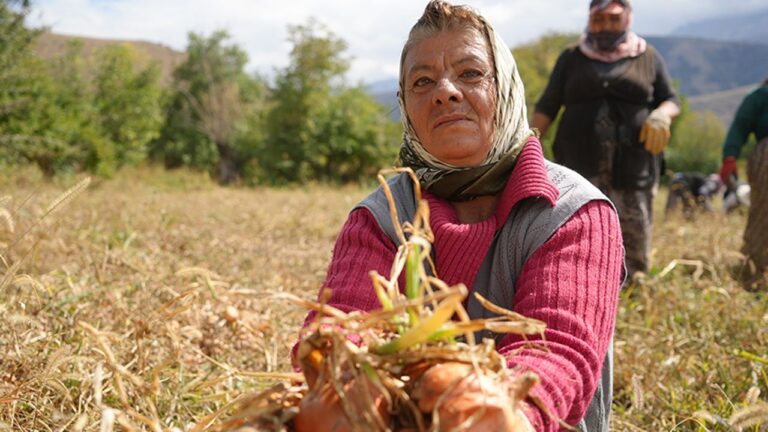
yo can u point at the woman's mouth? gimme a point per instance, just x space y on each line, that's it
448 119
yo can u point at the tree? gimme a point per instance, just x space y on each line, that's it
208 107
354 140
15 40
696 143
128 104
60 125
36 118
19 77
54 116
96 123
318 128
301 97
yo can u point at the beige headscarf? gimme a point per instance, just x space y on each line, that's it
511 131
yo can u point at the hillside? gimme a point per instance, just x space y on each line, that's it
723 103
705 66
51 45
385 92
743 28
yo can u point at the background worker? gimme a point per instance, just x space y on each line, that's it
692 191
619 104
752 117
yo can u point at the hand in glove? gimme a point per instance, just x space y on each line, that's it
728 172
655 132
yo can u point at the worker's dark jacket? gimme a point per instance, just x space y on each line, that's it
606 104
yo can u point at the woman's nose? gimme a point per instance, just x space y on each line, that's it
446 91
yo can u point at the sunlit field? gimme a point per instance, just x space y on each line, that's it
150 301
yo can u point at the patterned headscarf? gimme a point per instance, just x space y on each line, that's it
510 133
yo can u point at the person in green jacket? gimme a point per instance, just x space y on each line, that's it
752 117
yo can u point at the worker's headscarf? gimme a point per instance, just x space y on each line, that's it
609 47
510 134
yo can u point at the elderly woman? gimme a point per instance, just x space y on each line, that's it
619 104
530 235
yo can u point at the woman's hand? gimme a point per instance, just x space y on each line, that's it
454 392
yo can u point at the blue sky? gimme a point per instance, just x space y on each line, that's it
374 29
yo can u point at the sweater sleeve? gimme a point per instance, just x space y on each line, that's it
571 283
361 247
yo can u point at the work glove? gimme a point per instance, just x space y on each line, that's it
655 131
728 172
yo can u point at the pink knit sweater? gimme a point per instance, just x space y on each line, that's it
571 283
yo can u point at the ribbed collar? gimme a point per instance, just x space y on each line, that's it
528 179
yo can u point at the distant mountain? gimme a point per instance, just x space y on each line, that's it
706 66
382 86
723 103
51 45
385 92
750 27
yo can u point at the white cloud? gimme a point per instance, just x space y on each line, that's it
374 30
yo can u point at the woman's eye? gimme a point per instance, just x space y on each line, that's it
471 74
421 82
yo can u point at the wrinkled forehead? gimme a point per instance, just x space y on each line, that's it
453 42
459 42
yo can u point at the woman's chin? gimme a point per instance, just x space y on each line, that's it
468 149
461 158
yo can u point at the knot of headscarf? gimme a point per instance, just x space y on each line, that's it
510 133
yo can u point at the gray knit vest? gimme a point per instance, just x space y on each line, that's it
531 223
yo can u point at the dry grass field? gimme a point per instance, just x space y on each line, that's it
149 302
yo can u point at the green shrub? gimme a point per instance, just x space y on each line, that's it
696 144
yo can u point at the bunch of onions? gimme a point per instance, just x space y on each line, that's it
372 364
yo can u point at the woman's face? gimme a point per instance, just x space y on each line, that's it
450 95
610 19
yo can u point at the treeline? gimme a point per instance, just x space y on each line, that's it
306 125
